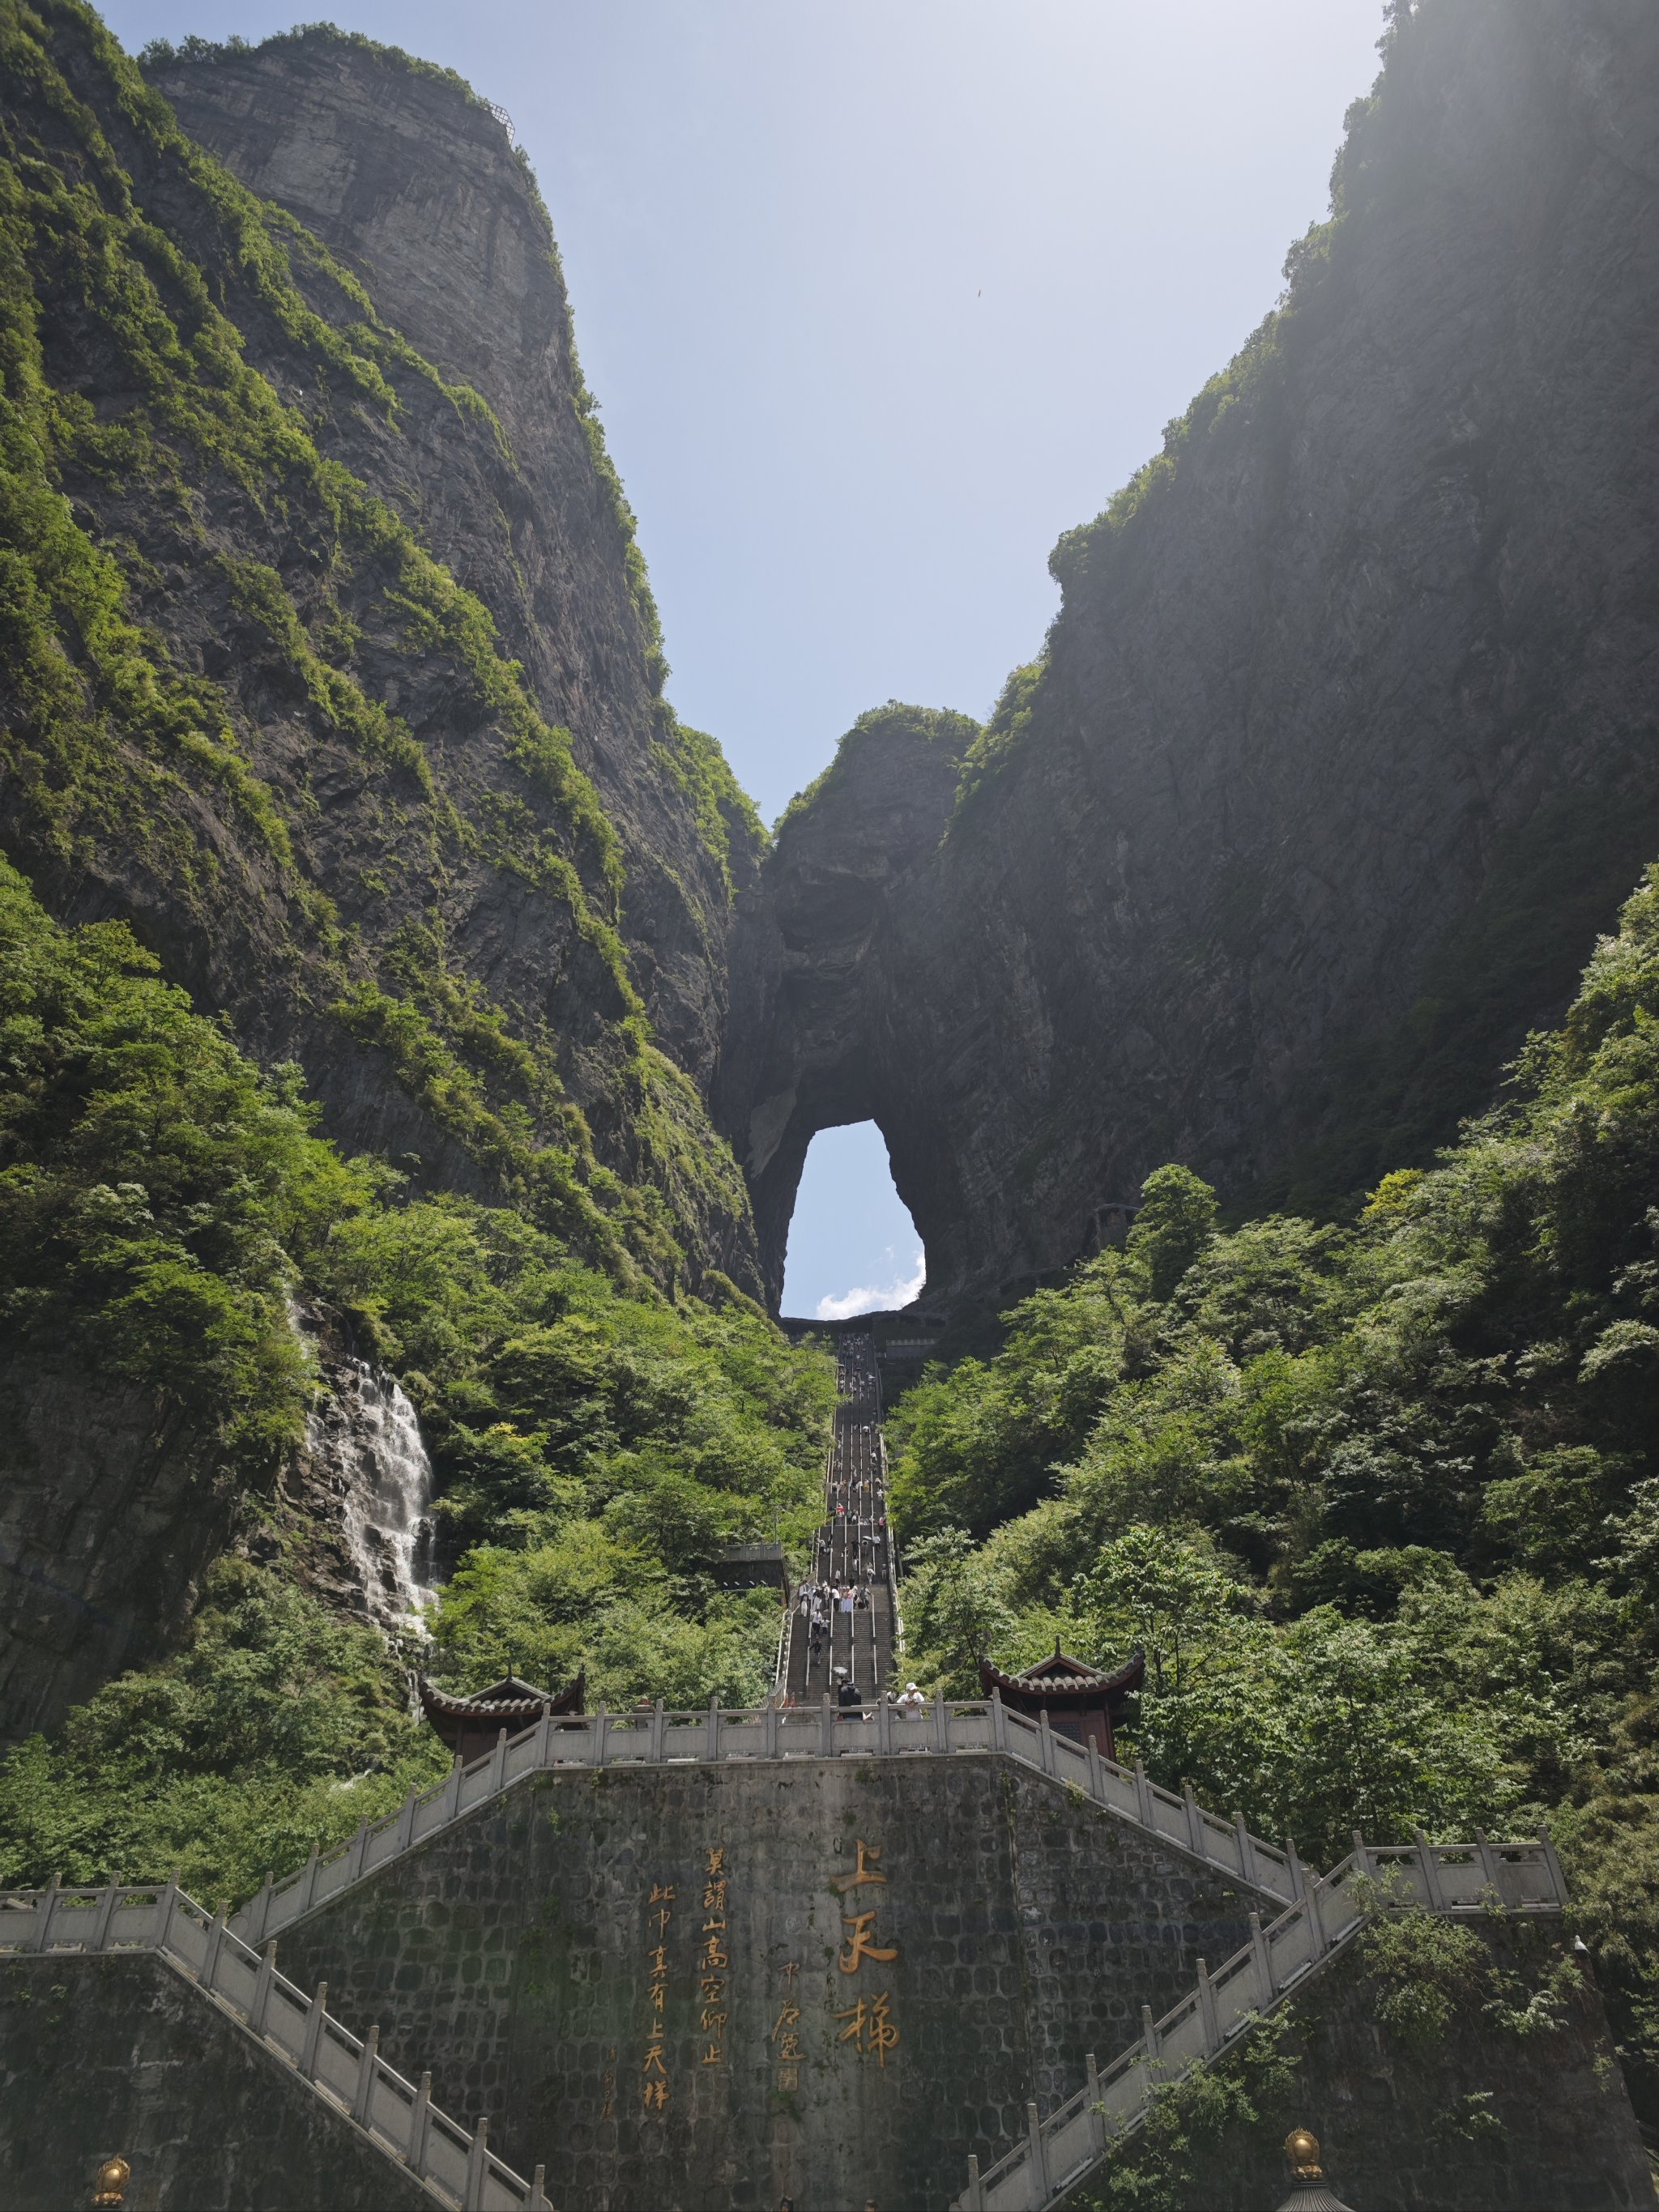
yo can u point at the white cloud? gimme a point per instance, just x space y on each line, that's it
875 1301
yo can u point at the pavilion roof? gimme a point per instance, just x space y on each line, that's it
1059 1679
511 1699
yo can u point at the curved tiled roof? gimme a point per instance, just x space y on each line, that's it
1061 1678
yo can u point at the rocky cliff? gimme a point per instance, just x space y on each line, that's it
332 663
1341 749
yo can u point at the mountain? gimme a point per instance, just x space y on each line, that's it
332 665
1341 749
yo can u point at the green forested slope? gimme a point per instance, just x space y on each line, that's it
243 704
161 1202
1382 1503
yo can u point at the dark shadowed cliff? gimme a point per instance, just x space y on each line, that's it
1342 748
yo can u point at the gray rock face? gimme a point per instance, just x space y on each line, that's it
110 1509
415 186
1343 749
401 822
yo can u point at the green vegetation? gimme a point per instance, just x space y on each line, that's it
954 734
160 1202
1421 1978
1380 1501
214 492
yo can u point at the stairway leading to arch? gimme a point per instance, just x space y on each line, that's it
852 1549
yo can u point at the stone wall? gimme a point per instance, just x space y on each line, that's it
123 2056
1013 1928
1485 2120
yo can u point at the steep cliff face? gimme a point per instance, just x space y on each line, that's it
332 666
1343 745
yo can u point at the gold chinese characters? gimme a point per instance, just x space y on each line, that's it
871 2027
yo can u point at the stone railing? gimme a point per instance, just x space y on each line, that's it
1058 2152
459 2166
658 1738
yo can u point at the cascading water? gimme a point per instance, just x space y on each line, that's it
365 1428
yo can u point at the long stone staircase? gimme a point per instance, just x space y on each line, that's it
1300 1925
396 2115
1274 1966
852 1548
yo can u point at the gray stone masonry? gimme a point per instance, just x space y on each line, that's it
1485 2120
124 2055
518 1954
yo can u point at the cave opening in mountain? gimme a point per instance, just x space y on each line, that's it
853 1247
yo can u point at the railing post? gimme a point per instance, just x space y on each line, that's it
106 1914
165 1912
47 1909
476 2160
998 1723
883 1722
827 1730
941 1722
1247 1858
216 1936
1197 1842
1430 1869
405 1835
314 2034
973 2200
1209 2019
497 1764
658 1726
419 2117
1265 1984
256 1934
366 2065
307 1883
1314 1906
1096 2109
1097 1772
260 2003
1558 1880
536 2199
451 1804
1298 1879
601 1733
769 1730
1362 1857
359 1851
1045 1742
1038 2153
1146 1804
713 1726
544 1738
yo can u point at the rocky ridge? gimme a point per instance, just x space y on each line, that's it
1341 749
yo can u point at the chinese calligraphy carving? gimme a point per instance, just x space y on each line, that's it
870 2027
713 1959
654 2072
785 2034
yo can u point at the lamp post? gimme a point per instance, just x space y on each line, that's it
1309 2194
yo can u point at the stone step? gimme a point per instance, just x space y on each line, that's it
1275 1966
398 2117
660 1737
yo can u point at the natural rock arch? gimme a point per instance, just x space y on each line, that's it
818 1031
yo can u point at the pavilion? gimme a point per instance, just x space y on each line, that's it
1081 1702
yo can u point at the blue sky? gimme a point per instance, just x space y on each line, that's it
878 297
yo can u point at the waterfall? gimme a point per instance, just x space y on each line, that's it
365 1429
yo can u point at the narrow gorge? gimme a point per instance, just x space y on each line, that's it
411 1040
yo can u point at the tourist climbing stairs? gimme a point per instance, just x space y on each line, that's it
851 1551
